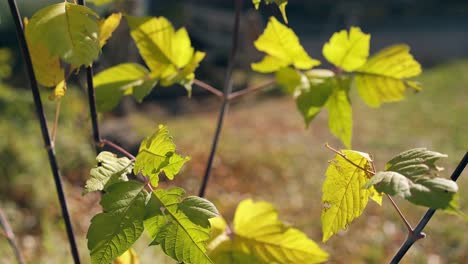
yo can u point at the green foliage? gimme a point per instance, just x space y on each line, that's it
343 198
124 79
109 170
67 30
115 230
340 119
5 60
181 227
282 48
157 155
281 5
415 162
259 237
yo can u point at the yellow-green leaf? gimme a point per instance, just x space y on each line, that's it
67 30
156 155
128 257
282 47
107 27
340 115
259 233
384 76
348 51
344 197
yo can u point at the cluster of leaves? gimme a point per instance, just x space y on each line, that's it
351 180
179 225
380 78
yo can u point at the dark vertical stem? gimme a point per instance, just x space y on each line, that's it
92 100
226 92
416 234
44 129
11 237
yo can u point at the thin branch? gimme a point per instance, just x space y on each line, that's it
402 216
208 87
250 89
44 128
10 236
117 147
348 160
57 114
417 233
226 92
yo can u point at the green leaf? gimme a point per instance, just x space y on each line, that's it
348 51
128 257
168 53
437 193
181 227
156 155
343 197
282 47
67 30
108 171
414 163
281 5
113 83
107 27
258 232
340 115
289 78
384 76
114 231
310 102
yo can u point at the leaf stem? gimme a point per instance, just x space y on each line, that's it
402 216
226 92
57 114
117 147
417 233
348 160
10 236
44 129
208 87
250 89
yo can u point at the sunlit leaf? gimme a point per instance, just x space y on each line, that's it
311 101
107 27
340 117
114 231
109 170
124 79
384 76
67 30
282 47
343 198
156 155
128 257
281 5
259 237
347 50
179 225
437 193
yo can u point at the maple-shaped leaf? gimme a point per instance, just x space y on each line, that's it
156 155
283 49
109 170
384 77
258 236
343 198
180 226
67 30
347 50
114 231
281 5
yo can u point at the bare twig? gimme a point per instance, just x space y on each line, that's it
10 236
208 87
226 92
117 147
417 233
402 216
44 128
348 160
250 89
57 114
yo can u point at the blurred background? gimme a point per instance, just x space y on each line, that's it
265 152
